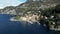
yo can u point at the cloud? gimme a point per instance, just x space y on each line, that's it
4 3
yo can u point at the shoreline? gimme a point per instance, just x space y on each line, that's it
9 14
31 22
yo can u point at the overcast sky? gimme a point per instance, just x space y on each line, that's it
4 3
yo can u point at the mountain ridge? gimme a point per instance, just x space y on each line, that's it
29 5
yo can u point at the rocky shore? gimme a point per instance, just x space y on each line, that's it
31 18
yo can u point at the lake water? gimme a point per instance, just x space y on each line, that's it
11 27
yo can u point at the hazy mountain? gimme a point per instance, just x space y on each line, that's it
29 5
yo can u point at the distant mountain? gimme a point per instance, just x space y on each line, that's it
8 10
29 5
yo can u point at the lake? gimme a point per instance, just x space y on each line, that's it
14 27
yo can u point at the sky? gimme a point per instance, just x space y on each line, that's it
4 3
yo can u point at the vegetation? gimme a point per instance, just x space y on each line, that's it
16 17
33 7
54 11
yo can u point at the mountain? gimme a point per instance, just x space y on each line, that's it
29 5
8 10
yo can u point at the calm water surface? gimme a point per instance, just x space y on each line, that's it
9 27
